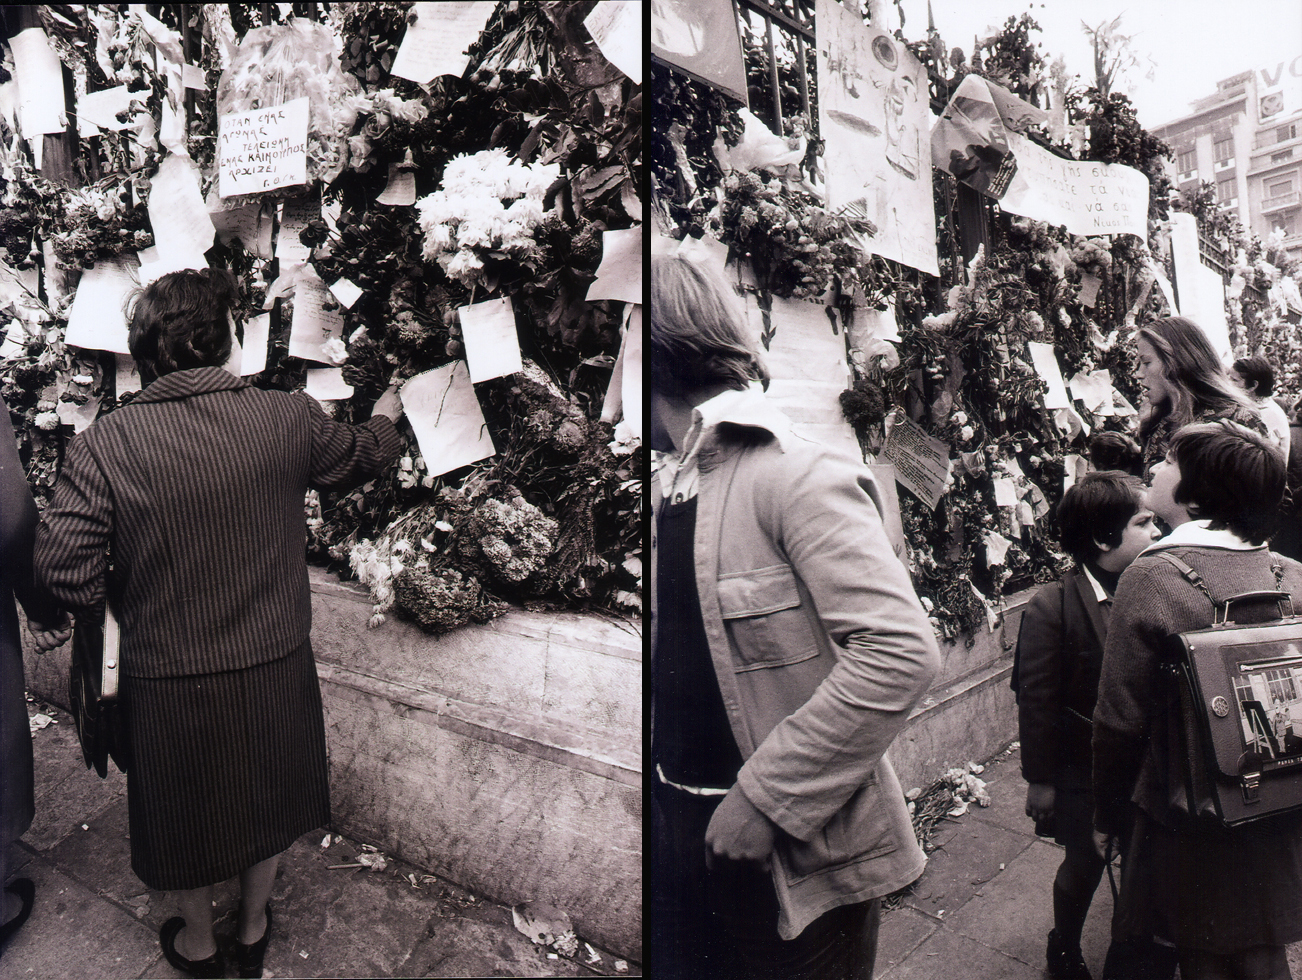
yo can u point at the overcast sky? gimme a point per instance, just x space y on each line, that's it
1192 43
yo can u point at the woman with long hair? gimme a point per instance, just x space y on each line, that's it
196 488
1184 381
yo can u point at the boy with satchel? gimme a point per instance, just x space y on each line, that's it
1103 523
1229 898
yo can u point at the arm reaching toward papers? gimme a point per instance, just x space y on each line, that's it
388 405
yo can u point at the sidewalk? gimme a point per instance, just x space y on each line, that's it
984 907
94 919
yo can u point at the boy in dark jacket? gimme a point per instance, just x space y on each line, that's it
1103 524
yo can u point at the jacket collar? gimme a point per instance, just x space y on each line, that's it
1197 534
749 408
192 381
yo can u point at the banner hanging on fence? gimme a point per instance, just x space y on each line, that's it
874 119
700 37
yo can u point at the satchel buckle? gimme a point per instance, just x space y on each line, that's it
1250 783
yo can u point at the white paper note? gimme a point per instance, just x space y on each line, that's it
193 77
97 320
1005 492
263 149
445 416
632 368
616 26
40 84
996 548
127 375
1046 366
295 214
401 189
346 292
15 342
256 334
249 225
436 44
78 416
328 384
492 345
922 463
183 231
620 274
313 324
98 110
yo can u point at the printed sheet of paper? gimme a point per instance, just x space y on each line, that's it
921 462
97 320
699 38
295 214
401 188
616 26
39 75
98 110
328 384
444 413
183 231
262 149
492 345
875 122
257 331
313 324
1046 366
619 276
436 44
346 292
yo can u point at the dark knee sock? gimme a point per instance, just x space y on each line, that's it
1069 913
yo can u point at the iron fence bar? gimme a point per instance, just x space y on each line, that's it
773 76
771 12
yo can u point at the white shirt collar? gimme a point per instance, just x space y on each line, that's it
1199 534
1100 593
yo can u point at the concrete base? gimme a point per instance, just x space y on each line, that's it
505 757
969 714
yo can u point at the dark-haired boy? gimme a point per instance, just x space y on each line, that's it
1227 899
1103 524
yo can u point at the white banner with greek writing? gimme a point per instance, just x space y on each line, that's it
1090 198
263 149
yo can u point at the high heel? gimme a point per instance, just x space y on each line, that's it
25 889
207 969
248 959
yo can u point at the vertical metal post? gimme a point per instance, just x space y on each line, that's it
773 75
802 74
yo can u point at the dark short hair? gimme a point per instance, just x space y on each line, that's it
1116 451
1230 476
1257 370
699 336
181 321
1097 508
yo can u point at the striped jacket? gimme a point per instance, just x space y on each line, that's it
197 487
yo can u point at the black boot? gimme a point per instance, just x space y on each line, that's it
1065 963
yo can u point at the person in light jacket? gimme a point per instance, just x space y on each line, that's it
1228 899
788 648
196 487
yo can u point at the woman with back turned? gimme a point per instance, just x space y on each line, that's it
196 490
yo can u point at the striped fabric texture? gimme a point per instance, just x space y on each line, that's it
198 487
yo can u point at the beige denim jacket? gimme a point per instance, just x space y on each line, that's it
821 649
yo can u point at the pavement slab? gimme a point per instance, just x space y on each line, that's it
961 864
947 954
902 931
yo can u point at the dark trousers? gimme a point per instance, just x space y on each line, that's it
723 923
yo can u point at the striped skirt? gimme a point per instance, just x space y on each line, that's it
227 769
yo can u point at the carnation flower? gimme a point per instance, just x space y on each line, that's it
49 421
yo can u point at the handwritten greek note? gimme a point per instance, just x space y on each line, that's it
619 276
183 231
295 213
263 149
436 44
257 330
249 225
328 384
921 463
444 413
96 320
313 324
99 110
492 346
40 84
616 26
401 188
1046 366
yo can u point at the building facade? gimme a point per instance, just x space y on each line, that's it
1246 139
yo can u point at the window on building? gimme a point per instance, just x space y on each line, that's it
1280 157
1223 150
1279 185
1226 191
1285 132
1285 222
1187 161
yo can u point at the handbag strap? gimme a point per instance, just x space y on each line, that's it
111 661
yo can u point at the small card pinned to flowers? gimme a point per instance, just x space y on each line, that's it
619 277
492 345
401 188
444 413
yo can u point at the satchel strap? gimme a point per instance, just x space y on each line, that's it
1223 606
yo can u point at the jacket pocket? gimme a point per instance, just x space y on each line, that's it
859 832
763 613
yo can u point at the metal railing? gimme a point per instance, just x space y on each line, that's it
793 22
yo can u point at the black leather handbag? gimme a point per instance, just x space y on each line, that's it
93 689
